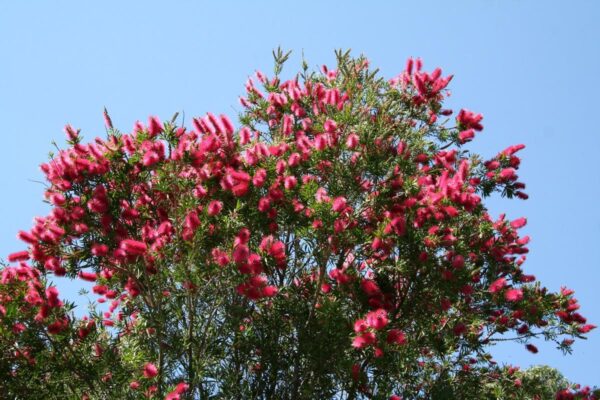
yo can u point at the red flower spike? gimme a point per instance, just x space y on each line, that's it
150 371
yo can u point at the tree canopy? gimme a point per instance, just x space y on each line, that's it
335 245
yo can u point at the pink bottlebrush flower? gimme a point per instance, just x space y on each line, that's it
458 261
330 126
468 119
492 165
419 83
17 327
99 249
88 276
377 244
258 281
451 211
510 150
321 195
176 394
44 310
518 223
307 178
377 319
99 202
272 246
71 133
445 304
220 257
522 195
523 329
497 285
27 237
360 342
396 225
245 134
466 136
396 336
409 66
287 125
352 140
18 256
401 148
418 64
214 207
277 251
198 125
269 291
525 278
364 340
320 142
58 326
212 121
261 77
264 204
340 225
248 290
370 287
586 328
459 329
513 295
531 348
150 370
280 167
52 297
290 182
58 199
294 160
566 291
580 319
133 247
154 126
339 204
132 287
135 385
51 264
378 352
188 234
266 243
254 264
360 325
227 124
107 121
356 372
508 174
192 221
100 289
150 158
81 228
200 192
242 237
181 387
306 123
244 102
240 254
239 181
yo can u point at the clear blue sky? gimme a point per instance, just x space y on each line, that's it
531 67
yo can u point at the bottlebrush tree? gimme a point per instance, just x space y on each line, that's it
334 244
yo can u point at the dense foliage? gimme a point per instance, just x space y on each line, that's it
335 245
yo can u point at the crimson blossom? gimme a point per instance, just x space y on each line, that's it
333 244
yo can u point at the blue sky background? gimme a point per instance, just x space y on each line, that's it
531 67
